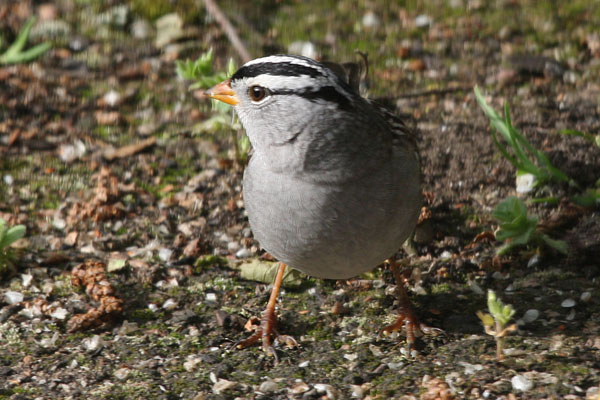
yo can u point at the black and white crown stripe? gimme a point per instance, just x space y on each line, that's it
296 75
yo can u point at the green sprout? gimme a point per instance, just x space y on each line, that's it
517 228
7 237
517 149
204 76
15 54
595 139
495 323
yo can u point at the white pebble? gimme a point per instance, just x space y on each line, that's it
525 183
520 382
165 254
59 313
26 279
304 364
530 315
243 253
112 98
8 179
210 297
568 303
422 21
13 297
370 20
585 297
92 344
170 304
268 387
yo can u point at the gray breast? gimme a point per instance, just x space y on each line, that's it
328 230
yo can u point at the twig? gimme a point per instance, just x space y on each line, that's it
214 10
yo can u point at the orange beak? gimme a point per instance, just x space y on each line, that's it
223 92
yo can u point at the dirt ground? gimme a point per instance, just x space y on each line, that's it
130 282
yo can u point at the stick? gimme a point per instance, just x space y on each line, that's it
214 10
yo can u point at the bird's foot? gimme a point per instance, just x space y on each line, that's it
413 327
267 333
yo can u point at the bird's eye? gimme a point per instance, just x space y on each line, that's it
257 93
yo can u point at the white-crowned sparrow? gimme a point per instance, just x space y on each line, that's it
333 185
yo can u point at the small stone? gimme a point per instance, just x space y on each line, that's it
299 387
530 315
329 390
26 279
211 297
268 386
422 21
191 362
304 364
243 253
59 313
8 179
585 297
525 183
370 20
122 373
13 297
92 344
533 261
170 304
223 385
521 383
141 29
165 254
568 303
112 98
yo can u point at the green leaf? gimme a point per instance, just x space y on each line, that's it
15 54
559 245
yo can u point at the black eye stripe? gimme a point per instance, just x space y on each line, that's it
325 93
279 68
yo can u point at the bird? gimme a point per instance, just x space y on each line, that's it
333 184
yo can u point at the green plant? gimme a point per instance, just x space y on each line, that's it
516 228
517 149
202 73
15 54
595 139
495 323
7 237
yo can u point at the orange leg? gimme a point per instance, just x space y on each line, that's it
268 325
406 316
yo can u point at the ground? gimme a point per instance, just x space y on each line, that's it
106 158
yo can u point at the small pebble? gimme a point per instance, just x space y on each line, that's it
92 344
268 387
585 297
112 98
521 383
370 20
170 304
568 303
304 364
210 297
13 297
165 254
122 373
26 279
530 315
243 253
8 179
422 21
